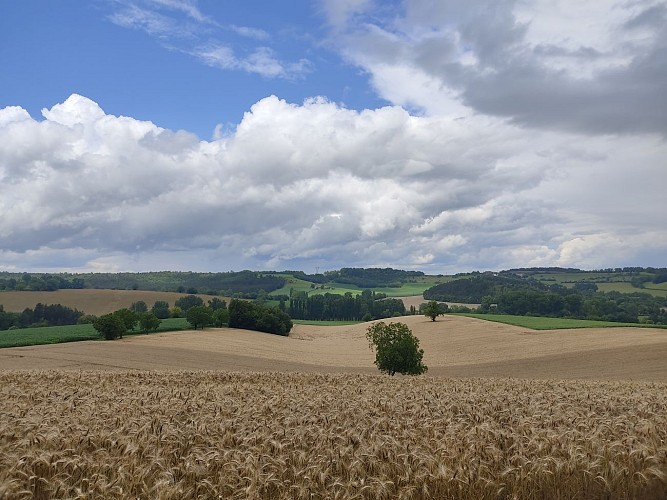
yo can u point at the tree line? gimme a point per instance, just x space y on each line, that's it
366 306
240 314
40 315
514 295
39 283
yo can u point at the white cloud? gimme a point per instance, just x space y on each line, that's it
318 184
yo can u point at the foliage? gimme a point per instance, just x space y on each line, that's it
347 307
149 322
396 349
372 277
199 316
215 303
433 309
38 282
220 317
242 282
252 316
473 288
161 309
188 301
110 326
129 318
512 294
41 315
139 307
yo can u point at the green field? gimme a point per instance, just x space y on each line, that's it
540 323
71 333
406 290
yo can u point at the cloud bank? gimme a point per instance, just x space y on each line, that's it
315 184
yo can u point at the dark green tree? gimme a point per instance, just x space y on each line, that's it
139 307
110 326
149 322
220 317
396 349
199 316
433 309
215 303
189 301
129 318
161 309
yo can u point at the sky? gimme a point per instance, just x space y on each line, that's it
434 135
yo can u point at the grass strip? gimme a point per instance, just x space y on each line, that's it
73 333
542 323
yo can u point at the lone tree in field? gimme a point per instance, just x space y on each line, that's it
433 309
396 349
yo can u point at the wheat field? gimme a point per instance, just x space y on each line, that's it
182 435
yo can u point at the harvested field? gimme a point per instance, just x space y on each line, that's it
182 435
89 301
453 345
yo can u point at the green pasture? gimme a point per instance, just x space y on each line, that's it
72 333
623 287
540 323
405 290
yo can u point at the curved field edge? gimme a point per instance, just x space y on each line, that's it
275 435
544 323
24 337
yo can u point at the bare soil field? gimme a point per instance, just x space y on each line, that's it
95 302
453 345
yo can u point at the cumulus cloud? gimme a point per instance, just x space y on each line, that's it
316 184
592 67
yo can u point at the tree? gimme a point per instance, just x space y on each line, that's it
139 307
252 316
220 317
161 309
433 309
129 318
396 349
215 303
188 301
110 326
149 322
199 316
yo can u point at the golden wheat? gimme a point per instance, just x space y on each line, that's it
186 435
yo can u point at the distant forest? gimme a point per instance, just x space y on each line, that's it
245 284
516 294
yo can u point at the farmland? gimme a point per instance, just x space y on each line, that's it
505 412
71 333
453 345
181 435
89 301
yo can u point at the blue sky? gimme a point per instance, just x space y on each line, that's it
442 136
109 51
